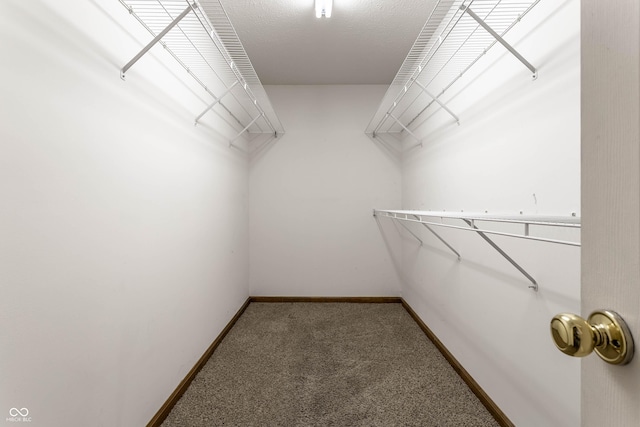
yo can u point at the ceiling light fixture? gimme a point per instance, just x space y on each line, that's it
323 8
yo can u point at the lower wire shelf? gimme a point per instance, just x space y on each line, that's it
477 222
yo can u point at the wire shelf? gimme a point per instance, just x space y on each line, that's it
436 218
200 36
451 41
479 224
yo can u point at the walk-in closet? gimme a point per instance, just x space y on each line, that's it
319 212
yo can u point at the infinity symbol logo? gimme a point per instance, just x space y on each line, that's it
14 412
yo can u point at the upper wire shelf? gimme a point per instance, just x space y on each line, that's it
456 35
200 37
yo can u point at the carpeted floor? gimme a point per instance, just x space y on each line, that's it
326 364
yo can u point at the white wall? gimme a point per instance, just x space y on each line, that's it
517 138
123 228
312 193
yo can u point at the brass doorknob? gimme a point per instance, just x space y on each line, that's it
605 332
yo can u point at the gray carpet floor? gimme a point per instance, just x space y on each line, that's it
327 364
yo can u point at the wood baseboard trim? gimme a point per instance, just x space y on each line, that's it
164 411
491 406
355 300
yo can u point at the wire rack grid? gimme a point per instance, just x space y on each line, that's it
449 44
206 45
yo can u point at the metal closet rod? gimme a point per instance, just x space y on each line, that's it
470 220
191 7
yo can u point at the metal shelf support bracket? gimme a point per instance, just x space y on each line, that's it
156 39
403 225
470 219
500 40
245 129
406 129
440 103
534 284
439 237
217 99
410 232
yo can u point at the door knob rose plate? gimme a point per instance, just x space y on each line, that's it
604 331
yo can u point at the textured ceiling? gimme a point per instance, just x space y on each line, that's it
364 42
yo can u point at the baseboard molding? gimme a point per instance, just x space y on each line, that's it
356 300
164 411
495 411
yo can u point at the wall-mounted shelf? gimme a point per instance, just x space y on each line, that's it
200 37
456 35
478 222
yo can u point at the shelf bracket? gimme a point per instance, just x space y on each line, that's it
384 119
500 40
405 128
438 236
157 39
217 99
440 103
471 224
410 232
245 129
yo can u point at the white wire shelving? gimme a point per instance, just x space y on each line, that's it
527 227
200 37
456 35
